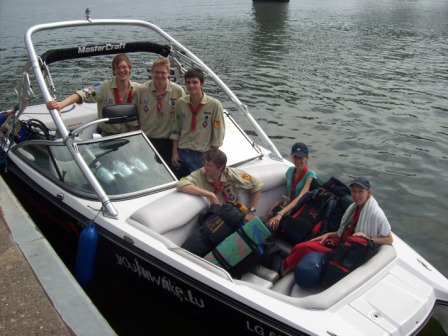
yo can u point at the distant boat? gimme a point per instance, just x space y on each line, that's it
270 0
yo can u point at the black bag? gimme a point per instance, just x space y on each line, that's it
297 226
273 255
348 256
215 224
343 199
317 212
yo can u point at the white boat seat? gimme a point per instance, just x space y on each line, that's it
27 154
321 298
178 228
257 280
173 215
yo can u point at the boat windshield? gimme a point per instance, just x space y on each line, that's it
123 164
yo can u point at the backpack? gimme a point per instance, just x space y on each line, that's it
215 224
348 256
317 212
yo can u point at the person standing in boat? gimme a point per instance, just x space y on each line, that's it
198 124
156 102
299 180
363 218
119 90
219 183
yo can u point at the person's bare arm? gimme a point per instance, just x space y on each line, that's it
274 222
378 240
323 238
253 204
55 105
175 155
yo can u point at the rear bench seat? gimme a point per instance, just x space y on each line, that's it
321 298
174 216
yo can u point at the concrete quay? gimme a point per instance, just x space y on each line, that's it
38 295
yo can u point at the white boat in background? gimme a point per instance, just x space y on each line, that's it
73 176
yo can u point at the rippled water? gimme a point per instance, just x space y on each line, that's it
364 83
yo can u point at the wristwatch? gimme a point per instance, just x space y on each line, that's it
252 209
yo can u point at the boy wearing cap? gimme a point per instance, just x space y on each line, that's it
363 218
298 182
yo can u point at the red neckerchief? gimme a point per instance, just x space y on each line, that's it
118 99
297 180
220 188
352 225
159 97
194 111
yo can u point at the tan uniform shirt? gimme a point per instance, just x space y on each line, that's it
210 128
232 180
157 124
103 94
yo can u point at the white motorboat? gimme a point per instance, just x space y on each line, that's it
73 176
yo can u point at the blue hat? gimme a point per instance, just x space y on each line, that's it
299 149
361 181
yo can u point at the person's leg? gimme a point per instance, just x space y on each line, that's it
164 147
183 160
191 159
196 160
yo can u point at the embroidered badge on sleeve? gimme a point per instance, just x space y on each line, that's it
92 90
246 177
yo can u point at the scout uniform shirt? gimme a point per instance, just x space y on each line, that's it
157 117
207 129
103 94
231 181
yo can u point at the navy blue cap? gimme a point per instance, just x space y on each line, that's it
299 149
361 181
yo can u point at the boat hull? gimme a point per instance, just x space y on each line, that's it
146 274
